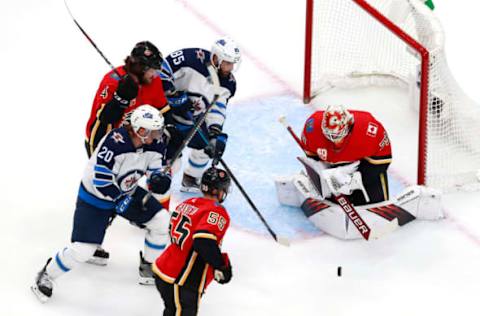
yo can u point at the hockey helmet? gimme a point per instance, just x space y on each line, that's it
336 123
148 118
215 180
226 50
147 54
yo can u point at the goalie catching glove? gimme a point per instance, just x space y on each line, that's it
339 179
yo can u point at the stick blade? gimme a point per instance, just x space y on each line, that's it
284 241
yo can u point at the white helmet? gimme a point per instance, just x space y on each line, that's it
149 118
226 50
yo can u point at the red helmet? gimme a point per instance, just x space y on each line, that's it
336 123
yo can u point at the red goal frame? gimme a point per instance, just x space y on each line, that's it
416 46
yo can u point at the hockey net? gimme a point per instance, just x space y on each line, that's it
352 43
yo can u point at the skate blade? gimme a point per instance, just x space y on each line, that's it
146 281
40 296
98 261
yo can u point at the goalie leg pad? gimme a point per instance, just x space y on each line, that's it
294 190
331 219
328 217
422 202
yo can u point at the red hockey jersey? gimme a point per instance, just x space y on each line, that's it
367 140
151 94
180 263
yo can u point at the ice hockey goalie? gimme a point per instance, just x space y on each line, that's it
348 153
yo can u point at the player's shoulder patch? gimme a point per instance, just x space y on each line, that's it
117 137
309 125
118 141
372 129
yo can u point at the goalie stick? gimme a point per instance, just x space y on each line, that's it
341 199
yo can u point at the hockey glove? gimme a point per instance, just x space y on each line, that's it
127 90
180 103
159 182
113 111
223 274
122 204
216 146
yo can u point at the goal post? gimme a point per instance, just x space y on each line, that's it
352 43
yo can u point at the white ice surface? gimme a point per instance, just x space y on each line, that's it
49 76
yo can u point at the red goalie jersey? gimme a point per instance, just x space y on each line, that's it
343 136
180 263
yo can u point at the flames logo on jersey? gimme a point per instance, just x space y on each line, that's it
104 93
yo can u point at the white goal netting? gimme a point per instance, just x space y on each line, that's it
351 48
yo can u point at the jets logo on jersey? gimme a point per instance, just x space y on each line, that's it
118 138
129 181
200 55
322 153
372 129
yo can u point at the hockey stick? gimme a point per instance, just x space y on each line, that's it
162 110
216 84
90 40
281 240
341 199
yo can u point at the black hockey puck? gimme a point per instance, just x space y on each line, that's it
339 271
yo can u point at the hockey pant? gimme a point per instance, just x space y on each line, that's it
178 301
90 224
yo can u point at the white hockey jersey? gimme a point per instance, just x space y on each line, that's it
116 166
186 70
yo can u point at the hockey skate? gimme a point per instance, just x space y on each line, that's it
43 286
145 272
100 257
190 184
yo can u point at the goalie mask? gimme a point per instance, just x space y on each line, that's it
336 123
148 118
